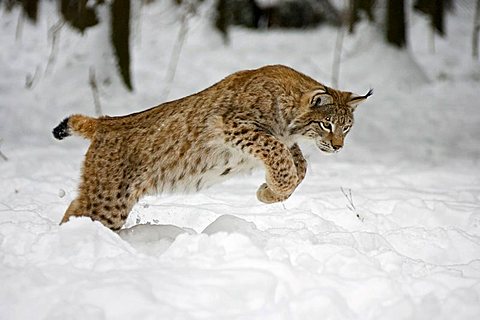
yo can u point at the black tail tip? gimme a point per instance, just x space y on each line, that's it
62 130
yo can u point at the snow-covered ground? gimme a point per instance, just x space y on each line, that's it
408 248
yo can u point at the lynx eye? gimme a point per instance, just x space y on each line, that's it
346 129
327 126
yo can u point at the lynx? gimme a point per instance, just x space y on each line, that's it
251 118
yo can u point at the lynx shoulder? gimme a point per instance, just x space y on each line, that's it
252 118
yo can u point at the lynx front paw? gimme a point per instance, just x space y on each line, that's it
266 195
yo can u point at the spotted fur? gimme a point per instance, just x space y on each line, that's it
251 118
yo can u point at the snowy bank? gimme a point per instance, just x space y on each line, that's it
405 246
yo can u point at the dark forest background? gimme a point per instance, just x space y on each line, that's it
387 15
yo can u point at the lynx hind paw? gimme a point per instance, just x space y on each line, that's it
265 195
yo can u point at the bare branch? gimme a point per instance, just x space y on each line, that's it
54 34
31 80
346 21
19 29
348 195
337 56
189 9
4 157
351 205
476 31
92 81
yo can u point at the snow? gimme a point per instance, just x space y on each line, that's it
408 248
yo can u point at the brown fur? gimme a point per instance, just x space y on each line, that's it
250 118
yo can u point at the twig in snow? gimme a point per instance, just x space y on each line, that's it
19 29
351 205
188 11
96 98
476 31
337 52
4 157
138 22
54 34
337 56
30 79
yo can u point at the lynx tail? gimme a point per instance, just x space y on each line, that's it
76 124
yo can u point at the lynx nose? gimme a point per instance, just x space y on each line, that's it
336 147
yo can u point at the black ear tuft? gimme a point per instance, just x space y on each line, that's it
356 100
369 93
361 98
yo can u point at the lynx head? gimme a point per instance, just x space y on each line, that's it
326 117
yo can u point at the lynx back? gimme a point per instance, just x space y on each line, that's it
252 118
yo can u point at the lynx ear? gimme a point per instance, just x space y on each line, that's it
355 100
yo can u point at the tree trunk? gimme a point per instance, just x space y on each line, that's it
352 15
438 17
30 7
120 37
476 31
78 14
435 9
221 19
355 6
396 34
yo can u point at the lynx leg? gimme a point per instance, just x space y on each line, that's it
281 173
106 192
110 213
72 210
300 162
265 194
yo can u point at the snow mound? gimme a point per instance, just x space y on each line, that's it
407 245
156 239
233 224
150 238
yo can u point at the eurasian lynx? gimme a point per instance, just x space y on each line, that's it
251 118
